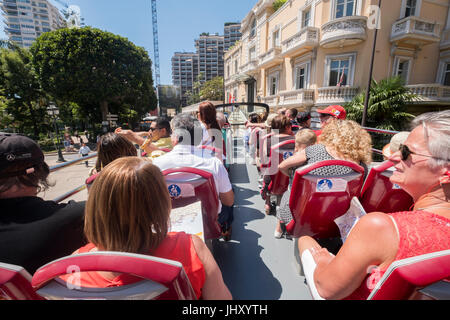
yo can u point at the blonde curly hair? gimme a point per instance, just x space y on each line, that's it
349 139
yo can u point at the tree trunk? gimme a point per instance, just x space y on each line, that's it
35 125
104 109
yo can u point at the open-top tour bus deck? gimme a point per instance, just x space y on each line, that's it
254 265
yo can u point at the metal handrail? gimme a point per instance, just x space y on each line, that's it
381 131
81 188
68 164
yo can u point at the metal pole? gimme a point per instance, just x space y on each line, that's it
369 84
60 155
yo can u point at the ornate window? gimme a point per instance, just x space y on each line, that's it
344 8
253 28
301 75
340 70
410 8
402 67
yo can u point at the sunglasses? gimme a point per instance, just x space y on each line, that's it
405 153
153 129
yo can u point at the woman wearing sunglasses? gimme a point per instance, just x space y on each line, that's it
423 170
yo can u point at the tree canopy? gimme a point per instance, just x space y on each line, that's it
387 106
23 99
95 69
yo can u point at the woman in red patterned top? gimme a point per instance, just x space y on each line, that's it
128 211
378 239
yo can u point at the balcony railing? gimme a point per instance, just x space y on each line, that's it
271 57
296 97
431 93
271 101
345 31
335 95
304 40
416 31
250 67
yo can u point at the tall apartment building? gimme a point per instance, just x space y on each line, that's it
185 69
313 53
231 34
25 20
210 50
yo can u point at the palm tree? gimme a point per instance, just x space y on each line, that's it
387 105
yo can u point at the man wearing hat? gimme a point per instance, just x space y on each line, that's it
330 112
33 231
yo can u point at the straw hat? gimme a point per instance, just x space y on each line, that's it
395 143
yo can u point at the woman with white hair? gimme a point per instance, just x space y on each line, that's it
378 239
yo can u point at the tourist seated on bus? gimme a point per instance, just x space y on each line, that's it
221 119
128 211
394 144
340 140
251 137
304 120
186 136
211 129
110 147
378 239
265 123
151 142
33 231
281 126
282 111
303 138
292 116
329 114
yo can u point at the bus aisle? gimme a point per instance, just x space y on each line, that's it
254 264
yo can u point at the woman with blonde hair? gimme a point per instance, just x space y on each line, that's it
340 140
128 211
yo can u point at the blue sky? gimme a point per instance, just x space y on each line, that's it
179 22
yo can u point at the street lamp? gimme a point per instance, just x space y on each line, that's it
53 111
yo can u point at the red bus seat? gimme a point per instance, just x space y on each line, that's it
278 153
263 156
161 278
316 200
89 181
216 152
15 283
404 277
188 185
380 194
255 136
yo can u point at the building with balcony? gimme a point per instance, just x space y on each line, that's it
210 50
25 20
231 34
313 53
185 69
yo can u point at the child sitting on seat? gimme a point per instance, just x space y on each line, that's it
303 139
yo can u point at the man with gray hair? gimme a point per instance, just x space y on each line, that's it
186 136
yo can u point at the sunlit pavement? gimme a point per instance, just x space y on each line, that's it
68 178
